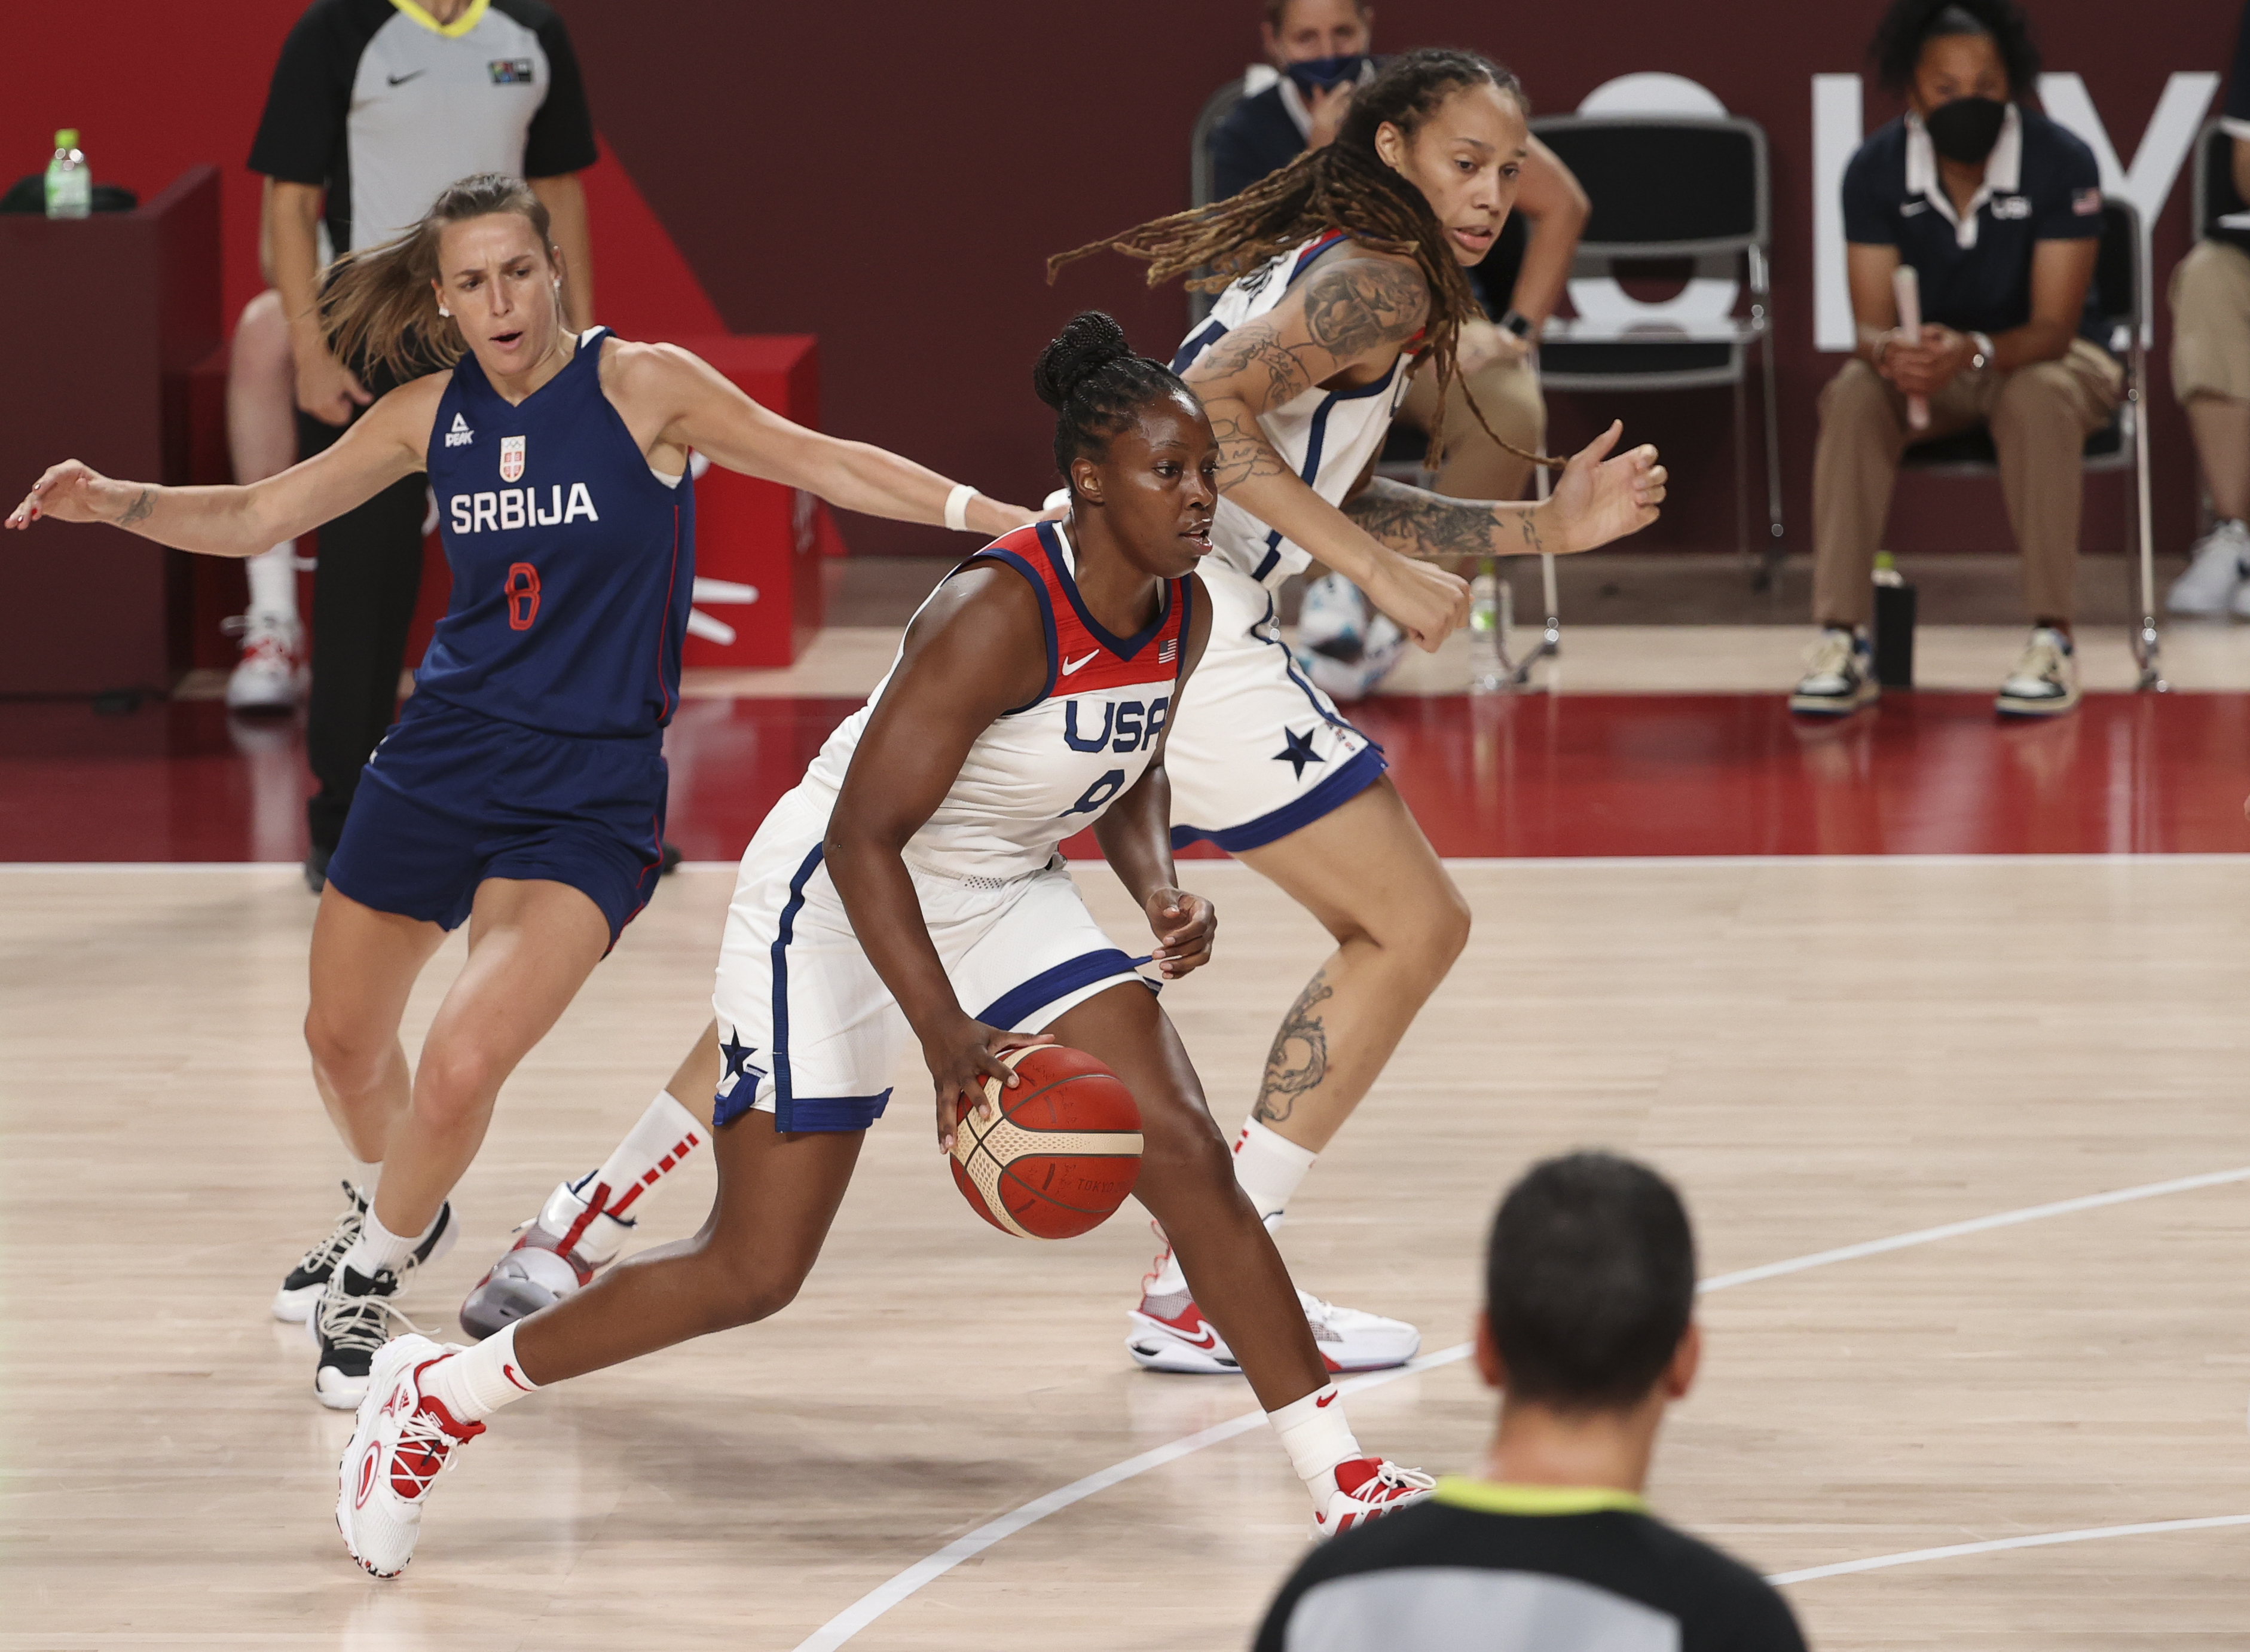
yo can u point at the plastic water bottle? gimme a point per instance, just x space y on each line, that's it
70 183
1490 615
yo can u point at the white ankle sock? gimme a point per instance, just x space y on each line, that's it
378 1248
1269 1165
273 581
1317 1436
475 1382
652 1149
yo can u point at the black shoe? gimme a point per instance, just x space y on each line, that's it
672 859
300 1291
354 1319
316 868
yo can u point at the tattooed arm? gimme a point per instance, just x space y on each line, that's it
1347 319
388 443
1599 499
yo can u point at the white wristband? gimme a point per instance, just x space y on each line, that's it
956 506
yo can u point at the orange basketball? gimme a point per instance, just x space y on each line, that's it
1061 1153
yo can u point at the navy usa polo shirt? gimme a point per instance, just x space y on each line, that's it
2041 183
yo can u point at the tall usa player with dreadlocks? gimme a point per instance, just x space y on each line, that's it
1350 263
1340 270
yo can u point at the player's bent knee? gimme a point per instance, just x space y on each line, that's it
455 1084
350 1058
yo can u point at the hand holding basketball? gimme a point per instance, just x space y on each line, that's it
1055 1154
73 491
961 1061
1183 925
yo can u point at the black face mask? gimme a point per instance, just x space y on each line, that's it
1965 129
1319 75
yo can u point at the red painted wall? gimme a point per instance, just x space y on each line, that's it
891 179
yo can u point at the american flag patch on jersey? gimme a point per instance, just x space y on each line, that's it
2085 202
1168 652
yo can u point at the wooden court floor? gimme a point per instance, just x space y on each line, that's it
1823 1052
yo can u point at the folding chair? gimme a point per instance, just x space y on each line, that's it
2120 298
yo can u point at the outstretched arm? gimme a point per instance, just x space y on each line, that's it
688 403
1599 499
977 649
387 444
1135 835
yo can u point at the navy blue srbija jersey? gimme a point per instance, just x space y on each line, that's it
572 560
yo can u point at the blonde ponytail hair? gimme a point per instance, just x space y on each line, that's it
376 308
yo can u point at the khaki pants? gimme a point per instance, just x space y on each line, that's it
1474 468
2211 322
2040 416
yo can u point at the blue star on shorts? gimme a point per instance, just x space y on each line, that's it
1298 752
738 1056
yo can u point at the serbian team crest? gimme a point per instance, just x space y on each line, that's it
511 457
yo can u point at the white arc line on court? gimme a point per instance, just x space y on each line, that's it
873 1604
2038 1540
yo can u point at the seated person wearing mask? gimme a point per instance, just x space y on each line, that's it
1998 211
1587 1332
2210 376
1321 49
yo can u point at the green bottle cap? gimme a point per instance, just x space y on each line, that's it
66 139
1885 560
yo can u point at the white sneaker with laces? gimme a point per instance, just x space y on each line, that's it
1366 1489
2219 562
2045 681
266 678
1839 676
352 1327
301 1290
404 1440
1169 1333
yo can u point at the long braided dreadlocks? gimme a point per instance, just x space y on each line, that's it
1346 186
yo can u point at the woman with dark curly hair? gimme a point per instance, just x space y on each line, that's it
1998 210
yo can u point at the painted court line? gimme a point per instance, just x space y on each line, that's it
876 1601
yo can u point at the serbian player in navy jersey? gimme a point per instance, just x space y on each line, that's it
522 789
909 893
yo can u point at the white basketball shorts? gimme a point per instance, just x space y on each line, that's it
1256 751
807 1029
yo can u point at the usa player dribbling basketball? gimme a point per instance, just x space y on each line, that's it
909 891
523 788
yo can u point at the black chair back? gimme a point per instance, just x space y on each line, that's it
2215 194
2117 289
1664 186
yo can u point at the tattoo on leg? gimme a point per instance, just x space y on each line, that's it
1299 1059
141 509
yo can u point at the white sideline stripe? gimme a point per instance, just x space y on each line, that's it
872 1605
2039 1540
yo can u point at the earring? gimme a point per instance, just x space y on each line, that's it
443 311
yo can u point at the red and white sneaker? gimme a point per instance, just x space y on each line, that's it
1169 1333
557 1255
403 1440
1366 1489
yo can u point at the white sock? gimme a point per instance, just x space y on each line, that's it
378 1248
1269 1165
364 1176
652 1149
273 581
1317 1436
475 1382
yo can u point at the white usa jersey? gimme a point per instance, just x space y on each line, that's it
1051 766
1327 436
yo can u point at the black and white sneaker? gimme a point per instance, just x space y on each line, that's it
300 1291
355 1318
2045 682
1839 676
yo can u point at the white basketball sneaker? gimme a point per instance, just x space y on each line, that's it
266 678
405 1439
1169 1333
560 1251
2215 573
1367 1489
301 1287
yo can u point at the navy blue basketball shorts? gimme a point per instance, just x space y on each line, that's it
452 797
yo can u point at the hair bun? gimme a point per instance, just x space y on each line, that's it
1089 342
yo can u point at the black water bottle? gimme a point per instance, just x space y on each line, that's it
1894 625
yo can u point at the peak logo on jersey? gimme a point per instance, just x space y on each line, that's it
510 72
511 457
460 435
514 507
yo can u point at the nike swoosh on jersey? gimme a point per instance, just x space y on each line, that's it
401 80
1070 665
